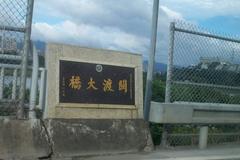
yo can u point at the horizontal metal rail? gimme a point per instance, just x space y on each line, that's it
197 134
8 101
14 66
10 57
11 28
182 134
205 85
207 35
10 66
10 50
224 134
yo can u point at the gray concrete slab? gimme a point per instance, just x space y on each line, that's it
225 152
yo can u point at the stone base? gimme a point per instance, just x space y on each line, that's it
29 139
78 137
22 139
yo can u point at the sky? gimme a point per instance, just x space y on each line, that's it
125 25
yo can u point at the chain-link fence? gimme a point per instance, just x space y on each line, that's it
203 67
15 30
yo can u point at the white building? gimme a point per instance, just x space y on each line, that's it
218 64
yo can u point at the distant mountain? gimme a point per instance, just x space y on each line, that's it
158 68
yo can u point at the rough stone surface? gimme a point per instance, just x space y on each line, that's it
22 139
93 137
31 139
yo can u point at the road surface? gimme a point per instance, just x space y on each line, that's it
225 152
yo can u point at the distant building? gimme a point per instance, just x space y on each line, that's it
217 63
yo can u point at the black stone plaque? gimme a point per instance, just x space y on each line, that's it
96 83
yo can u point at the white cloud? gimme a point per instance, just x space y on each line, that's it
202 9
172 14
87 35
125 25
120 25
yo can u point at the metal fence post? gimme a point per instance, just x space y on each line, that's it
34 84
14 84
170 64
148 92
24 65
168 81
42 89
1 82
2 40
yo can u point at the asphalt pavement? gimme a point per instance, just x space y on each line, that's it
225 152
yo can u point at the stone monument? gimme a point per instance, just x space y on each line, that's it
94 101
91 83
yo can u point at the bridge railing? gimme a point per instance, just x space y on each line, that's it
217 135
9 89
203 77
15 33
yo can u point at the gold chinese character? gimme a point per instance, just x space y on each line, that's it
75 82
107 85
91 84
122 85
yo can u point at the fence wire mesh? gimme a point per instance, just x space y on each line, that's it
13 15
205 66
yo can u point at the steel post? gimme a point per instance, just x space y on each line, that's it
203 137
24 64
170 64
2 40
42 89
1 82
34 84
151 61
14 84
168 81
